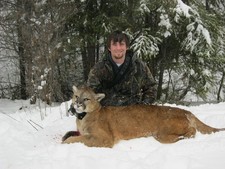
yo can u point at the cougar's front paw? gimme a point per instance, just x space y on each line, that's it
67 141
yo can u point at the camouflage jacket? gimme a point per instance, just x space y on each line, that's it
131 83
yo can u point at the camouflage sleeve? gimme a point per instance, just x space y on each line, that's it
93 80
149 86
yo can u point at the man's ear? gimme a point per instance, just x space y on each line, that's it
99 96
75 89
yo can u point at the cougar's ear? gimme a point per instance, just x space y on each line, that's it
99 96
75 89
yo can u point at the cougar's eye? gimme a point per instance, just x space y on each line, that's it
86 99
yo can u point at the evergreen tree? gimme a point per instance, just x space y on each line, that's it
59 41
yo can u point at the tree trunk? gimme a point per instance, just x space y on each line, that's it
160 82
21 52
21 64
84 61
162 65
220 87
88 58
207 5
130 11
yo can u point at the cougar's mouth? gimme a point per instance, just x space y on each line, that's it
74 109
79 109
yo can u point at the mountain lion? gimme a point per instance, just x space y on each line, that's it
104 126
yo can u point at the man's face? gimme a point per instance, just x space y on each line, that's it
118 49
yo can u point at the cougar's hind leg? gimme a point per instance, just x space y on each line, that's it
191 133
172 138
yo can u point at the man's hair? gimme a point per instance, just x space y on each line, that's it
118 36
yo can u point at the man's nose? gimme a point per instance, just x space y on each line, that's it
118 46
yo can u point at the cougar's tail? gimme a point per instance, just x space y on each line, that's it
202 127
70 134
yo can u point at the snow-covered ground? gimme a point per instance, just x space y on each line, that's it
27 142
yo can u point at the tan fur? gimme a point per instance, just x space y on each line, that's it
105 126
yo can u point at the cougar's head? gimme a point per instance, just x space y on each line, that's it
85 100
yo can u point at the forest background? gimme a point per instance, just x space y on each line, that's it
46 46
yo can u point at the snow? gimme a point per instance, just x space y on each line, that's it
183 8
27 142
143 7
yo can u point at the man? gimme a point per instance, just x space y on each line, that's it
123 78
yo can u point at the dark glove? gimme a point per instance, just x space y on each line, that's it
71 110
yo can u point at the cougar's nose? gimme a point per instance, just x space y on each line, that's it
79 103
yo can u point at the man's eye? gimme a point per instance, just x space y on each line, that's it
122 43
76 97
